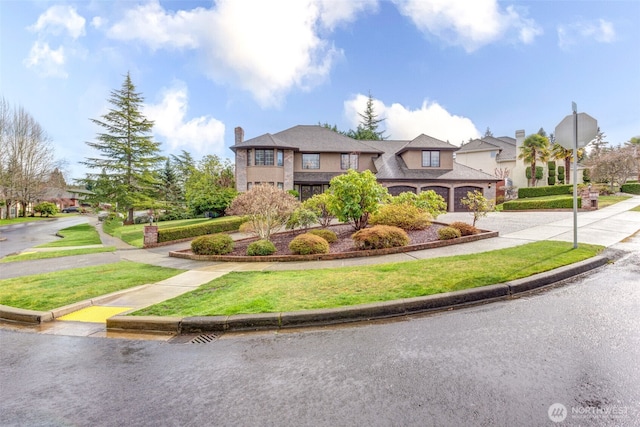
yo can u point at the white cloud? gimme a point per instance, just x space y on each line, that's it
97 22
601 31
265 47
46 61
204 134
59 18
403 123
470 24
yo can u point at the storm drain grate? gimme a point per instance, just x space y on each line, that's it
204 339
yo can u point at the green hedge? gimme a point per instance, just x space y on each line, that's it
631 188
217 225
524 193
525 204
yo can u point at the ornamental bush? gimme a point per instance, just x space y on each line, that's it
307 244
465 229
630 188
403 215
380 237
214 244
261 247
448 233
327 235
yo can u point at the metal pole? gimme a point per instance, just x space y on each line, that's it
575 177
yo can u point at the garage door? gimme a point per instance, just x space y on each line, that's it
395 190
459 194
440 191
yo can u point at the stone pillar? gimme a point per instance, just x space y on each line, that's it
288 169
241 170
150 235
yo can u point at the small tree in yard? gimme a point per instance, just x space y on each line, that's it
478 205
45 208
354 196
319 204
266 208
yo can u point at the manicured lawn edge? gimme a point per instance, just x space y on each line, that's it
357 313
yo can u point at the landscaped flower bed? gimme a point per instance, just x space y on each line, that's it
341 249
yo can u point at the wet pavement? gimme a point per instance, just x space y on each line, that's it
501 364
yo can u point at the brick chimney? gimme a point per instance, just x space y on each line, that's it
239 135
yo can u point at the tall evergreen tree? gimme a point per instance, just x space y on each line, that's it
368 126
128 154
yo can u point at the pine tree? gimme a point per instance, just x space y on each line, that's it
368 127
128 154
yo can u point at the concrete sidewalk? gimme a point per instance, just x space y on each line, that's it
607 227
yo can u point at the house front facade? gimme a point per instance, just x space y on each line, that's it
306 158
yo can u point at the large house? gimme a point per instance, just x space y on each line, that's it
305 158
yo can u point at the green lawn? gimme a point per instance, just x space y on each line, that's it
52 290
78 235
604 201
21 220
134 234
262 292
29 256
636 209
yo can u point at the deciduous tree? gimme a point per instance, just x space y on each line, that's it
478 205
354 196
266 208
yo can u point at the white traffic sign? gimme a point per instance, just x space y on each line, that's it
587 130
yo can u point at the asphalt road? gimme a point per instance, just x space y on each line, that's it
500 364
21 236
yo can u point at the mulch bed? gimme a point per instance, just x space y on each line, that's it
343 244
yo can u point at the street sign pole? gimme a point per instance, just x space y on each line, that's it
575 175
573 132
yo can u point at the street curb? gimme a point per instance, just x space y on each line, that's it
22 315
364 312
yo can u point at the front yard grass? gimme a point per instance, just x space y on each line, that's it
52 290
77 235
134 234
604 201
281 291
29 256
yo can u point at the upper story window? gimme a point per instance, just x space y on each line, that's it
263 157
349 161
311 161
280 155
430 159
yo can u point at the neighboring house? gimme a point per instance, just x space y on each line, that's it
305 158
499 157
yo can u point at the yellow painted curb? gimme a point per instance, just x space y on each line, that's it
94 314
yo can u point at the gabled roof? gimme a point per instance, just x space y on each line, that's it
506 147
390 166
310 139
425 142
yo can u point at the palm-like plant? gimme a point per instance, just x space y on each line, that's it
566 155
535 147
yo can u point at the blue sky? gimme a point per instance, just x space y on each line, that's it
446 68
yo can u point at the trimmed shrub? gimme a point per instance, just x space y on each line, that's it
404 215
261 247
380 237
214 244
557 203
327 235
561 174
555 190
448 233
214 226
539 172
307 244
246 228
465 229
586 176
631 188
